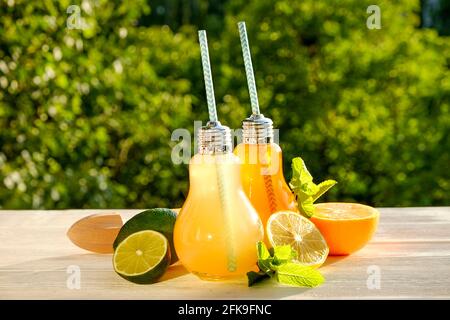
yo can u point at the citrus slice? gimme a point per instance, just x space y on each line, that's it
288 227
347 227
142 257
158 219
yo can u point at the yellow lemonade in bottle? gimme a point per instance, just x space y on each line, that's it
217 228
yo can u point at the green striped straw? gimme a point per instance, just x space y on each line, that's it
254 102
207 76
221 174
249 68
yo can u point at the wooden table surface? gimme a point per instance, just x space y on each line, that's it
409 255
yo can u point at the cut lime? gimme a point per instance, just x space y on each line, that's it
158 219
142 257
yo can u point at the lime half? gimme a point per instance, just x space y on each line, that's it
158 219
142 257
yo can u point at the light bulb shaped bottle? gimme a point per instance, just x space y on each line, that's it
217 228
262 163
262 168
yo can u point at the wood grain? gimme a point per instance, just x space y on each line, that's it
411 249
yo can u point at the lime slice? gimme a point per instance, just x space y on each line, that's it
142 257
288 227
158 219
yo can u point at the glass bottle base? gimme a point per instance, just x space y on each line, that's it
215 277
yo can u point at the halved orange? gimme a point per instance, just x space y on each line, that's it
347 227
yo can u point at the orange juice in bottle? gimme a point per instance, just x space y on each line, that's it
261 168
261 171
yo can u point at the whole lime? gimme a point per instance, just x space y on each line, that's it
158 219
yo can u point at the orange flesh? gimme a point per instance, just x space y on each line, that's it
347 227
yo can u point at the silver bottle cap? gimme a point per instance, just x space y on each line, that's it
214 138
257 129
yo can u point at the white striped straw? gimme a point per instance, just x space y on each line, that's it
248 68
207 76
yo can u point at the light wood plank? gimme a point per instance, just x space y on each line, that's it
411 249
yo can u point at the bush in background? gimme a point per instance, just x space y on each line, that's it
86 115
369 108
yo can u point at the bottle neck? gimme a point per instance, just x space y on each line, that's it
257 130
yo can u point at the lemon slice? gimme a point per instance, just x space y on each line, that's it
142 257
288 227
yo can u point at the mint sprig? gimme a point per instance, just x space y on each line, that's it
255 277
305 190
278 264
295 274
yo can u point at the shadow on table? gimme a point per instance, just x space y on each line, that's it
38 278
176 270
334 259
92 268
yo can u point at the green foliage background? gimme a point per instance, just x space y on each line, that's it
86 116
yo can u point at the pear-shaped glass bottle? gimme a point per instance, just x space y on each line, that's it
262 168
217 228
262 164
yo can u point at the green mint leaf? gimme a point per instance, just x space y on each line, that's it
293 186
294 274
265 265
255 277
309 189
306 206
264 257
262 251
299 171
305 190
282 254
323 187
